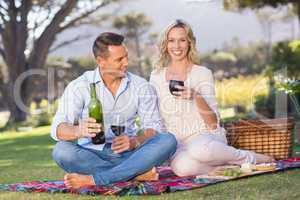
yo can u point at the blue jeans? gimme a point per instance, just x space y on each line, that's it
106 167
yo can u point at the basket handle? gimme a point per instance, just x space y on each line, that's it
244 121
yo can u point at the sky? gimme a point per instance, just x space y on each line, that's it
212 25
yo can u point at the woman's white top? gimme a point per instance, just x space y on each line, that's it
182 117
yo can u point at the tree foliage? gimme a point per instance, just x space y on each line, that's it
28 30
236 59
286 56
236 5
134 25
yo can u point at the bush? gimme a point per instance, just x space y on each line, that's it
44 119
42 113
286 55
241 91
265 105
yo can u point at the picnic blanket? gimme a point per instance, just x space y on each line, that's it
168 182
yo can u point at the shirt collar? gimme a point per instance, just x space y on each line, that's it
97 77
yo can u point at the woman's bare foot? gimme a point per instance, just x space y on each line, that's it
76 181
262 158
151 175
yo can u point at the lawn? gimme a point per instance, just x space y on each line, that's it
26 156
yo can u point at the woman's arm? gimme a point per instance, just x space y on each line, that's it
204 97
208 115
206 100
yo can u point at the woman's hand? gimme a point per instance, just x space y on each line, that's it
185 93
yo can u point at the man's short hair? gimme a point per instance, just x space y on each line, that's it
100 47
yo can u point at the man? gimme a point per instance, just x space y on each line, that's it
124 97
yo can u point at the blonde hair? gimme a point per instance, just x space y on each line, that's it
164 57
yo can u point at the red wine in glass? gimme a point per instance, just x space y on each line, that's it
117 130
173 86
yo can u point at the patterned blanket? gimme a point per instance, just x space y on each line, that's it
168 182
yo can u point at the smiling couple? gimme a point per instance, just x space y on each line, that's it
181 127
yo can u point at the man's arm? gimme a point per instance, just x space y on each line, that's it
124 142
66 132
148 111
65 124
140 139
150 121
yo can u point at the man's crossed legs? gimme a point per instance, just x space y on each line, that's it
87 167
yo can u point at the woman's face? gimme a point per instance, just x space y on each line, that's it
178 45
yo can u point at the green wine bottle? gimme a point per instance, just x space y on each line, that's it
95 111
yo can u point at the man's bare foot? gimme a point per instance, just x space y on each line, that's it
151 175
262 158
76 181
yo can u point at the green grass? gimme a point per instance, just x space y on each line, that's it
26 156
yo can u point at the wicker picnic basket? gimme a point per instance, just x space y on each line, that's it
272 137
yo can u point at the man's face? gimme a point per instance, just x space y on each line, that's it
116 63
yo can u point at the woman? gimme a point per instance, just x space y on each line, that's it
191 113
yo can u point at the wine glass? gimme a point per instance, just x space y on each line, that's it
173 86
117 129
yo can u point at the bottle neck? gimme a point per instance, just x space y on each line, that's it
93 90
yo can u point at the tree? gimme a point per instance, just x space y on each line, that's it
234 59
266 18
134 25
257 4
286 56
289 18
28 29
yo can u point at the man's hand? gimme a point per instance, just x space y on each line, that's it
123 143
88 128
